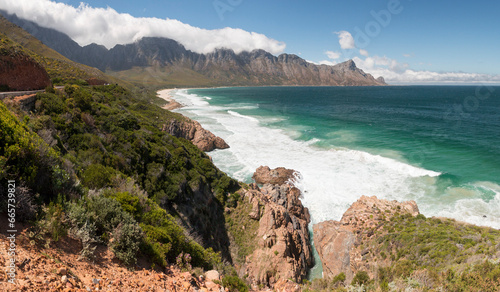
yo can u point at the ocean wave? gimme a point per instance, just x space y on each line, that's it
243 116
331 179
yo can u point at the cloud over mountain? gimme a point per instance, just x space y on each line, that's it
107 27
395 72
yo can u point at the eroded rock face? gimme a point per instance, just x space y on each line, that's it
19 72
193 131
284 250
337 242
334 243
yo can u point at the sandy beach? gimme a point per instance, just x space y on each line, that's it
166 95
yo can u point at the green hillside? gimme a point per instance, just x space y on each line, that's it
104 146
57 66
93 162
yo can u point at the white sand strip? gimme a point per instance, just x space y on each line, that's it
166 94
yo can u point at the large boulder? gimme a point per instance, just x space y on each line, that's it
280 175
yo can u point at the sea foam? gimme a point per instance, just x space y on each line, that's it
331 179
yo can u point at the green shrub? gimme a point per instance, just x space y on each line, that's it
340 278
129 203
25 156
361 278
98 176
155 250
86 235
53 222
107 214
97 217
50 103
50 89
234 283
126 240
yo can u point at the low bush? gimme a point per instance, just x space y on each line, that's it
234 283
126 241
361 278
98 176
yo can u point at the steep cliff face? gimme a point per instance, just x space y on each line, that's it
18 72
282 248
203 217
221 67
338 242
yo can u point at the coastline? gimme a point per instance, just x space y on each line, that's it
242 128
167 96
370 256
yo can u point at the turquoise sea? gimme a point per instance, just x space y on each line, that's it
437 145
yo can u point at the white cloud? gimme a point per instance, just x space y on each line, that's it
326 62
399 73
106 26
346 40
363 52
332 55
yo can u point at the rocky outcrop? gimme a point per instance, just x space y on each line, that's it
19 72
280 175
338 242
194 132
283 248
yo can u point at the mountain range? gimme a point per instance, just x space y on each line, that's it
162 61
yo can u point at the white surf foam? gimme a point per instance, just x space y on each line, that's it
467 205
333 179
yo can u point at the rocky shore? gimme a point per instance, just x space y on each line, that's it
194 132
189 129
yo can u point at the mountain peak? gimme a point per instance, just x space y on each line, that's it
349 65
184 67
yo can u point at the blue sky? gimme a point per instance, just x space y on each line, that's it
422 41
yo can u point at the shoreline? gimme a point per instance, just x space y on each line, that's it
166 95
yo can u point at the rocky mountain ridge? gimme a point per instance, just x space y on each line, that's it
221 67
